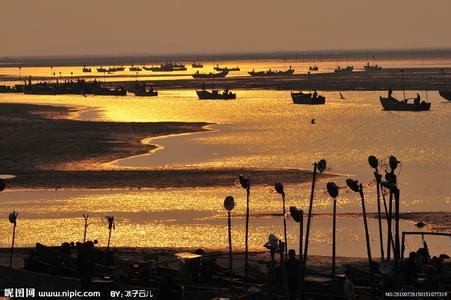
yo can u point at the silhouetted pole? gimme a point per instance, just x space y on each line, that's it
403 87
444 80
395 191
357 187
85 217
332 189
279 189
246 184
13 220
316 165
374 163
298 216
110 228
229 204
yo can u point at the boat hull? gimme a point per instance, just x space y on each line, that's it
445 94
299 98
211 75
272 73
145 93
396 105
207 95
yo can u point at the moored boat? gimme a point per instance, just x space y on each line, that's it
210 75
135 69
215 95
142 90
270 72
168 67
86 70
104 91
391 103
102 70
313 68
197 65
348 69
370 68
220 69
445 94
307 98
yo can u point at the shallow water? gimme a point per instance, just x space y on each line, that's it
259 129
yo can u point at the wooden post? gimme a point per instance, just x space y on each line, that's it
397 246
309 216
333 237
378 189
86 227
230 251
367 237
246 248
12 246
307 232
389 227
284 226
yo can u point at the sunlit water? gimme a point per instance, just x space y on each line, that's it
259 129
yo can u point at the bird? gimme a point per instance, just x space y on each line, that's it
312 121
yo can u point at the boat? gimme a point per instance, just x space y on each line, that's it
391 103
313 68
210 75
135 69
445 94
307 98
270 72
348 69
86 70
369 68
168 67
142 90
120 69
215 95
8 89
197 65
220 69
102 70
104 91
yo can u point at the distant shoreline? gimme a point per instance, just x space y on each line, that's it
311 55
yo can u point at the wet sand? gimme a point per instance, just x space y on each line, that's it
45 149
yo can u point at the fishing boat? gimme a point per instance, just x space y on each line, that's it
270 72
445 94
168 67
86 70
347 69
313 68
197 65
142 90
307 98
369 68
8 89
215 95
134 69
104 91
120 69
220 69
102 70
391 103
210 75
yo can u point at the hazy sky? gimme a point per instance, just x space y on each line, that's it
68 27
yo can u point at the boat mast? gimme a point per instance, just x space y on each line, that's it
403 88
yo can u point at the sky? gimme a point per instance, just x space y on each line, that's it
122 27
